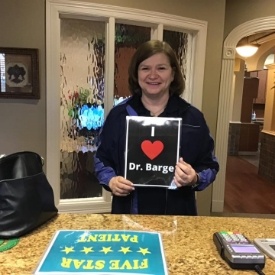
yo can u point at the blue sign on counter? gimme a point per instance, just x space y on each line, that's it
104 252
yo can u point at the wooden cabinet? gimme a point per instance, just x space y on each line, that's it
249 137
250 90
262 76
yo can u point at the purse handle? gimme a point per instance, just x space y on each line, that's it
42 159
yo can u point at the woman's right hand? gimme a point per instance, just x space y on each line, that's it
121 186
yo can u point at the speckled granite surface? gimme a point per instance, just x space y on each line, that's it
188 244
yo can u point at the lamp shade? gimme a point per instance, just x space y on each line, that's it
247 50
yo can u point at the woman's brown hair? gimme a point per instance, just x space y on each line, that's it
145 51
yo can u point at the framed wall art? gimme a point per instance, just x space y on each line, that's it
19 73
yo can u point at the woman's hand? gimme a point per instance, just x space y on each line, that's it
121 186
185 175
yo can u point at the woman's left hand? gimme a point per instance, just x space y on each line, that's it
185 175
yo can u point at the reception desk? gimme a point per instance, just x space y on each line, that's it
187 241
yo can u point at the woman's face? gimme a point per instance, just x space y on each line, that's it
155 75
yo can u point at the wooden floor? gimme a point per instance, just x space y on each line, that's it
245 190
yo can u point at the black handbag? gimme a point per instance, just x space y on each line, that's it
26 197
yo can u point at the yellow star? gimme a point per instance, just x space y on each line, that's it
67 250
86 250
144 251
106 249
125 250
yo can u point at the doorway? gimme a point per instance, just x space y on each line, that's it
226 100
246 191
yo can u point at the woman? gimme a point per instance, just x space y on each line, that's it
156 83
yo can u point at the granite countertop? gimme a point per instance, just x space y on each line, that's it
187 241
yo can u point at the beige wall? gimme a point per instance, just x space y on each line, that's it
22 24
240 11
23 122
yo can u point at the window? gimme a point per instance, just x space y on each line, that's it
88 49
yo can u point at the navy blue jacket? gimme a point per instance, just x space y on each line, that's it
196 148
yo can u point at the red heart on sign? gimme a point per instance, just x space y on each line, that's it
152 149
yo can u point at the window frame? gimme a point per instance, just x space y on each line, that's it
58 9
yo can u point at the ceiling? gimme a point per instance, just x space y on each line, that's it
259 38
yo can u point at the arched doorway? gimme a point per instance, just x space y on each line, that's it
226 99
